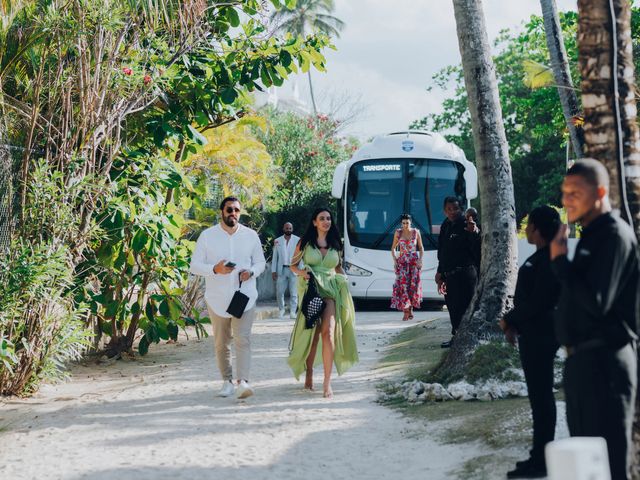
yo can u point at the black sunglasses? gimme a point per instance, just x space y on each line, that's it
231 210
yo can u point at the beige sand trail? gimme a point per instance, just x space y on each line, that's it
157 417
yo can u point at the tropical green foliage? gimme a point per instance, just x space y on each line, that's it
235 162
308 16
533 119
40 325
135 271
106 99
306 152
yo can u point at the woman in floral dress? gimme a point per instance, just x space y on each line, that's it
407 289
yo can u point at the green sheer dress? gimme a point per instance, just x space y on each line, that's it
330 285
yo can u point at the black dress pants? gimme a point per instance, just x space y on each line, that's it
537 355
600 390
460 288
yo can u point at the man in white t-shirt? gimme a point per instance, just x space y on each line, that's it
283 248
225 255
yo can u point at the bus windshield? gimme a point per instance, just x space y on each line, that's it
379 191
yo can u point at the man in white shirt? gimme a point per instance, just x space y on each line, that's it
226 254
283 248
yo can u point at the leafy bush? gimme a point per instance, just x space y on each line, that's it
40 327
306 151
134 274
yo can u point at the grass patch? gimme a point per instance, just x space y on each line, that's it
501 427
493 360
416 350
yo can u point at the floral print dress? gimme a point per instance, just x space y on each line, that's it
407 289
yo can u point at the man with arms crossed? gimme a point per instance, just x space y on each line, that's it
283 248
226 254
597 315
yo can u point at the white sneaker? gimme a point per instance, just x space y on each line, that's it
292 315
227 389
281 313
244 390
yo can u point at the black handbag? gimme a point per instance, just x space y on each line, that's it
312 304
238 303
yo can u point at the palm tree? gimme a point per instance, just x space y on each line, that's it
498 269
603 114
611 128
561 72
306 17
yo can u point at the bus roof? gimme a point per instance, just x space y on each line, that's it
405 144
409 144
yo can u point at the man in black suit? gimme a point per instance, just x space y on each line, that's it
456 276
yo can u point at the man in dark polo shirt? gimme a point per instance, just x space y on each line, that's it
597 315
458 251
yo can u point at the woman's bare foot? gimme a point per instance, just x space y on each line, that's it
308 381
406 315
327 391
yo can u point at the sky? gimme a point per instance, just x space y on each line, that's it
388 52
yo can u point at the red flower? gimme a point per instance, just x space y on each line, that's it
147 79
127 71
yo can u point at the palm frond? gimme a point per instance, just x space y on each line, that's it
537 75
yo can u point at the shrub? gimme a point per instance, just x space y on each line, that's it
40 328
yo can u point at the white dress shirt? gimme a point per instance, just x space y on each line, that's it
243 248
283 252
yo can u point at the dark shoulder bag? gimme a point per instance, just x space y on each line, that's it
238 303
312 304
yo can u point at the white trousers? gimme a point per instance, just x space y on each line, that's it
285 280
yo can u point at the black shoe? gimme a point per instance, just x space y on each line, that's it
523 463
446 344
528 470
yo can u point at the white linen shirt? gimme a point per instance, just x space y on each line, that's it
283 252
243 247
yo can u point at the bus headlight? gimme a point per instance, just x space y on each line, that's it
351 269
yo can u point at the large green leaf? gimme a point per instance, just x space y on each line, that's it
172 328
229 95
139 241
143 345
196 136
175 309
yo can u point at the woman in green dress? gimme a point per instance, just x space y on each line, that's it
319 249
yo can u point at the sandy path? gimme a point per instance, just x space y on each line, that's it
158 417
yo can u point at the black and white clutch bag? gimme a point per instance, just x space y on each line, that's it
312 304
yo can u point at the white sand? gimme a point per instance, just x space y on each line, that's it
158 417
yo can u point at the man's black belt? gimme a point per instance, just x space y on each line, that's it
286 265
453 271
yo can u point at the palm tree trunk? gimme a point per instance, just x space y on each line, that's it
611 125
595 50
498 269
561 72
313 99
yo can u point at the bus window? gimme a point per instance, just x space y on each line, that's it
430 183
379 191
375 195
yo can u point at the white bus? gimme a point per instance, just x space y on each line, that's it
403 172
